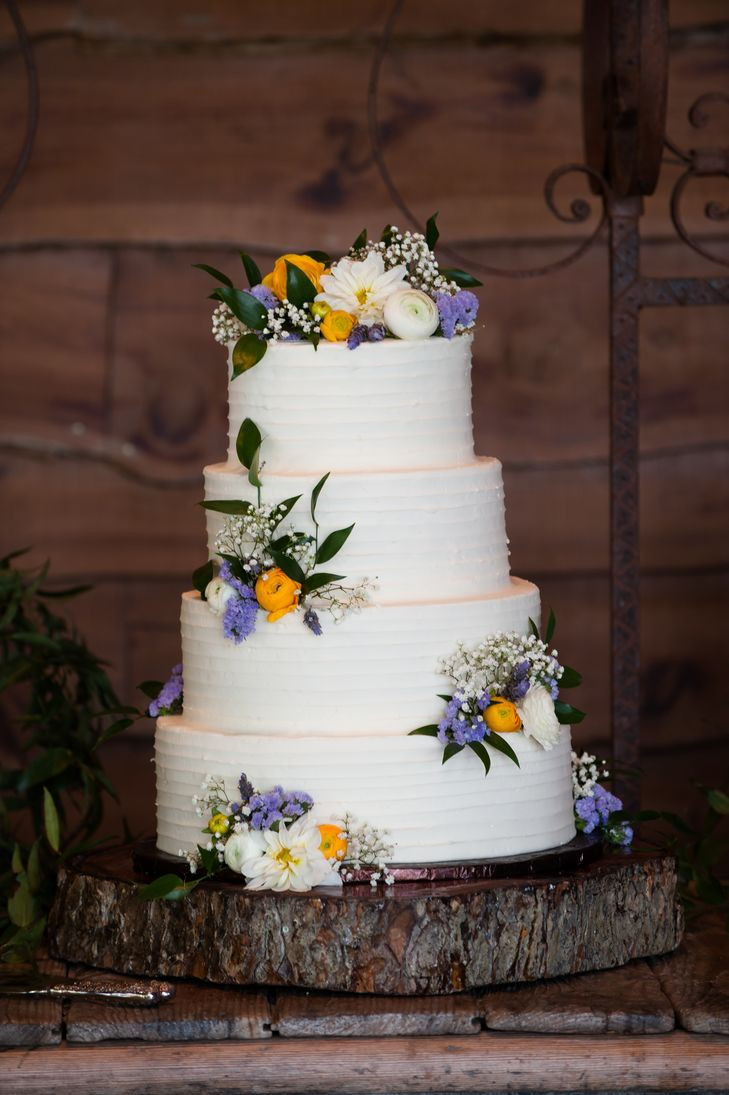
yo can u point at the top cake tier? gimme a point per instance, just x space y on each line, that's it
392 404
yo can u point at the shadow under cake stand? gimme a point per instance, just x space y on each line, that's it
440 929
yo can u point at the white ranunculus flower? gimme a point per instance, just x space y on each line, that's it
411 313
538 716
361 287
217 595
243 847
292 859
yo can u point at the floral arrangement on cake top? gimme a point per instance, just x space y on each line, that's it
274 840
507 684
596 808
387 288
266 566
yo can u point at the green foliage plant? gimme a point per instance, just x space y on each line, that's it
65 709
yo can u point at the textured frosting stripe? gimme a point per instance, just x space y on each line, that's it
422 533
373 673
390 405
434 811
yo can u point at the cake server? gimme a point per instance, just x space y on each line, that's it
113 990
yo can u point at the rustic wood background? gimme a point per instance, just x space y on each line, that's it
176 131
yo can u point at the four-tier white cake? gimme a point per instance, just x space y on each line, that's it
330 714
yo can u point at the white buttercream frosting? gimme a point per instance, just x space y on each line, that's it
375 672
388 404
435 812
435 533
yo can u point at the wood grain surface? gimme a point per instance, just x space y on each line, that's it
490 1062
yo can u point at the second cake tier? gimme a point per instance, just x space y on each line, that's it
426 535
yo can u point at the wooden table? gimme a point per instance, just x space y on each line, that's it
655 1025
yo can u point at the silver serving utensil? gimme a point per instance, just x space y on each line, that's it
111 990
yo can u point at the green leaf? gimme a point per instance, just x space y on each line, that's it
334 543
248 442
533 628
718 801
16 864
151 689
50 820
450 751
21 907
233 508
360 241
570 678
288 565
252 272
283 509
320 256
316 581
313 338
315 495
426 731
709 888
170 886
202 577
247 352
299 289
209 859
45 767
254 471
35 872
213 273
482 755
567 714
386 234
243 305
497 742
551 624
461 278
431 232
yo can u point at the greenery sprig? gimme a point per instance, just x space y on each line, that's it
52 804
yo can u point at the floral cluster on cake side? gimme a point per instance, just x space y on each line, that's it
266 566
506 684
392 287
598 810
275 841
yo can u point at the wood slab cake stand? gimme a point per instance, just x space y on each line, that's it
441 935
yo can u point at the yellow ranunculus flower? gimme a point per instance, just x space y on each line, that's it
276 280
332 846
337 325
218 823
277 593
502 716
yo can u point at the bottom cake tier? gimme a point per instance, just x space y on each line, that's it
434 812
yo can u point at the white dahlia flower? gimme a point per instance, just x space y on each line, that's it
217 595
242 847
538 716
361 288
292 859
411 313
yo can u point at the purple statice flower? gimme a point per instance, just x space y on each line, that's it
169 698
519 682
276 805
239 618
312 621
605 802
455 311
357 336
264 295
586 811
376 332
245 788
448 313
227 575
553 687
462 727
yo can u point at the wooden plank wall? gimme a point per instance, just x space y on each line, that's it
175 131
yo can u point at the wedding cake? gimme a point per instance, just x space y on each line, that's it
411 689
